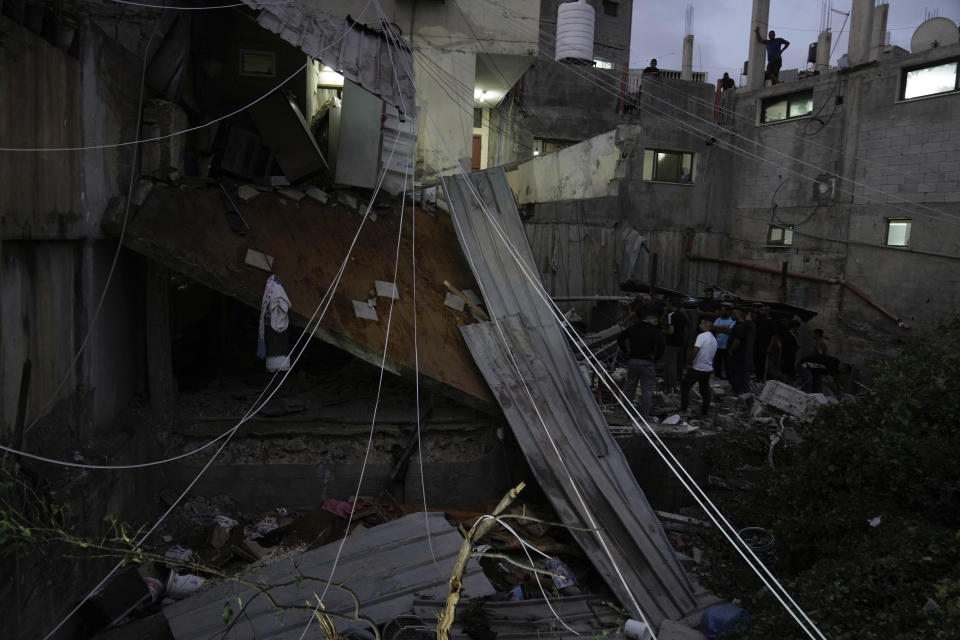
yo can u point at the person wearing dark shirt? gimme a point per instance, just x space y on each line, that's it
709 305
644 344
763 332
813 368
790 347
740 351
652 70
775 48
727 83
675 337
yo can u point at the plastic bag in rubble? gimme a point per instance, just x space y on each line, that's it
723 619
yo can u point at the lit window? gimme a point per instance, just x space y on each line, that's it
795 105
930 80
898 232
667 166
602 64
610 8
779 235
258 63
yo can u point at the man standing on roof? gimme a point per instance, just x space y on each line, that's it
704 350
775 48
644 344
652 70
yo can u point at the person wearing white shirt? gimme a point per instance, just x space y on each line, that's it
704 350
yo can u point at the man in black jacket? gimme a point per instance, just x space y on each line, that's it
644 344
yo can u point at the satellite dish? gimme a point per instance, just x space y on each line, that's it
935 32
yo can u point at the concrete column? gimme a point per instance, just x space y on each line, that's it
861 23
823 51
686 71
878 34
758 53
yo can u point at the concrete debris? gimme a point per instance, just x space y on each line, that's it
293 194
363 309
259 260
386 289
674 419
178 554
454 301
472 297
219 537
279 181
141 192
247 192
347 199
790 400
318 194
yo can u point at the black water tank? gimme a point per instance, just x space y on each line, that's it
812 53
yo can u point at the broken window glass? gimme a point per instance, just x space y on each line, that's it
779 235
931 80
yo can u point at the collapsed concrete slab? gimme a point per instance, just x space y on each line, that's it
187 231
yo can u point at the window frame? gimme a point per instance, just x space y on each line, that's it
271 55
653 173
906 242
783 242
904 71
765 103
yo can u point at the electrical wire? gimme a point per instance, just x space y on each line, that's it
615 91
252 411
573 485
219 6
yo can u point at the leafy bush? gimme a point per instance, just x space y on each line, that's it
867 520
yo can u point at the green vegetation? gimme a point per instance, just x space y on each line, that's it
889 460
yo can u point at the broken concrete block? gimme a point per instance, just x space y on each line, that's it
347 199
279 181
293 194
247 192
454 302
362 309
788 399
141 192
674 419
670 630
318 194
219 536
259 260
386 289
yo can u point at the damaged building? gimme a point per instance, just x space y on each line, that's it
171 179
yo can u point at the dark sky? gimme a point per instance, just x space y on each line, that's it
721 30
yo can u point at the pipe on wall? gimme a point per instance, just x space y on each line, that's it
804 276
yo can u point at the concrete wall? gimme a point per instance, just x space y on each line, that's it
908 150
585 170
54 266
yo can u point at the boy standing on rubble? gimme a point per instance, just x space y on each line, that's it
704 349
644 344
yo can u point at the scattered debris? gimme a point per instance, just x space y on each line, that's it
293 194
317 194
454 301
363 309
259 260
386 289
247 193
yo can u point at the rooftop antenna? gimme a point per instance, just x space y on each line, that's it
688 21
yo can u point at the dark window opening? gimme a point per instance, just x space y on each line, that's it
477 118
610 8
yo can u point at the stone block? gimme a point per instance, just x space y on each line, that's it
318 194
247 193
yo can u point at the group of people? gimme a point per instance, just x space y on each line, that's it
739 343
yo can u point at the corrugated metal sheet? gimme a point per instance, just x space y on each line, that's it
578 465
355 51
386 567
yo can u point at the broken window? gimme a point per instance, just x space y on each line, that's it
667 166
779 235
794 105
898 232
930 80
